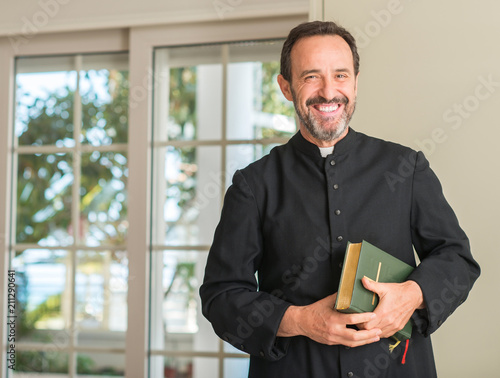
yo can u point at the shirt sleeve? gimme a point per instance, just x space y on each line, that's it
240 314
447 270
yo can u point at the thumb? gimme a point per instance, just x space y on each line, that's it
371 285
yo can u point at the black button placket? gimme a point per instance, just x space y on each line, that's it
336 210
337 225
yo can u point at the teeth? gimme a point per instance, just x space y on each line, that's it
328 108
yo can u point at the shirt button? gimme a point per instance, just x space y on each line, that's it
262 354
332 162
337 212
350 374
335 186
340 238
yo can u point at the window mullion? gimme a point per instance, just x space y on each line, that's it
77 129
225 61
75 212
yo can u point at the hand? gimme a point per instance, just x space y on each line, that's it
320 322
397 302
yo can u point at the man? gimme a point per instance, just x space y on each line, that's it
289 216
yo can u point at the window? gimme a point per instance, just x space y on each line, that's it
68 241
109 216
217 108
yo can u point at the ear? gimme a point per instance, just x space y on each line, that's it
285 87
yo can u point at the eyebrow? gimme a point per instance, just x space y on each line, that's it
307 72
346 70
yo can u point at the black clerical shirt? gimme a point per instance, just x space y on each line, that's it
289 216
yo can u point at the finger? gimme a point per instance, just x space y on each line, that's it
375 323
370 323
359 318
369 284
355 338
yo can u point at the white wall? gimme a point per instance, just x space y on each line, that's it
430 79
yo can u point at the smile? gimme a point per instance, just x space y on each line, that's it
327 108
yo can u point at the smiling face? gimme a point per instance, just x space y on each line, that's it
323 87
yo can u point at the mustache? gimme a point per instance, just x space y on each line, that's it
321 100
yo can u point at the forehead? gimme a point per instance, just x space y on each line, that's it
321 52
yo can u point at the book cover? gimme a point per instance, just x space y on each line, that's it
364 259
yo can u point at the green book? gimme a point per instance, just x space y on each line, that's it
364 259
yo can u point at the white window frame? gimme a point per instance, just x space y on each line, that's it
140 42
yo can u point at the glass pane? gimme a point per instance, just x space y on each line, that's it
188 93
256 108
100 364
29 362
101 297
104 95
184 367
240 155
44 199
187 195
236 367
228 348
103 204
43 295
177 322
44 111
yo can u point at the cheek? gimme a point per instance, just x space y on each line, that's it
303 94
353 90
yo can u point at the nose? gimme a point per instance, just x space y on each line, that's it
328 88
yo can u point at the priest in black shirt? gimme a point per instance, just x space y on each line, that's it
289 216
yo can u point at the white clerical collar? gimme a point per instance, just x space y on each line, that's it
325 151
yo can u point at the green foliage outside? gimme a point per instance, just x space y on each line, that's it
44 187
44 195
272 100
57 362
183 119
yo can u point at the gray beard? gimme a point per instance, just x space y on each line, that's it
320 133
315 128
